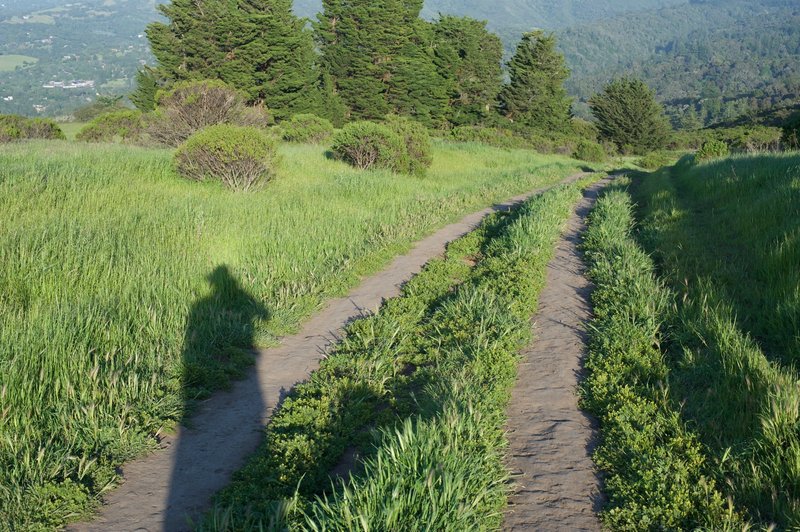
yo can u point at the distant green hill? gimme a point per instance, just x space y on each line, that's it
723 59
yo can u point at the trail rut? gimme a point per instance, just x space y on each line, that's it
163 491
551 440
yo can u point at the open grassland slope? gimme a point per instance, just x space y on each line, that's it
725 236
402 427
127 293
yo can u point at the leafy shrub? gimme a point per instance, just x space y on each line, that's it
126 125
368 145
656 160
240 157
192 105
417 141
791 133
492 136
18 127
9 132
584 129
712 149
306 128
589 151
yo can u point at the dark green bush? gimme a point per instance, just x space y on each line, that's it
417 141
241 158
125 125
589 151
368 145
306 128
190 106
656 160
712 149
791 133
18 127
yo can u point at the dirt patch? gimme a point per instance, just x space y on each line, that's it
551 440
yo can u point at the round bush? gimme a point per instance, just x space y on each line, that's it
589 151
367 145
417 141
189 106
125 125
18 127
306 128
656 160
9 133
712 149
241 158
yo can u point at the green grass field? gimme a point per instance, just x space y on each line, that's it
694 373
8 63
105 251
71 129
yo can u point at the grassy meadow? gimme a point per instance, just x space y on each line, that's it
126 293
693 366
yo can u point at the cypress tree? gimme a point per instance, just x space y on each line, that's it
469 57
536 97
379 58
628 115
258 46
144 96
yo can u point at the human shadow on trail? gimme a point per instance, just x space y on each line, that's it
218 348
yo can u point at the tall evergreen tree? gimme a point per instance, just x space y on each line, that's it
469 58
536 97
379 58
628 115
258 46
144 97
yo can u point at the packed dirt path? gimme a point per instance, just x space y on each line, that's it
551 440
174 485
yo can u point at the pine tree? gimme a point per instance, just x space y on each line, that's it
258 46
144 97
536 97
469 57
628 115
379 58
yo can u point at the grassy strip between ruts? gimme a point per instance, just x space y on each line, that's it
418 392
730 348
657 473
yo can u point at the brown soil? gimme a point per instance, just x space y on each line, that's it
551 440
171 487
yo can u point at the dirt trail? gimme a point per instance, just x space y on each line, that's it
166 489
550 438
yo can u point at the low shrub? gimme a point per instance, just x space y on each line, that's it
492 136
241 158
712 149
589 151
417 141
656 160
125 125
9 133
367 145
13 127
192 105
306 128
791 133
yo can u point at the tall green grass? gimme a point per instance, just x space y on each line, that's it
417 392
105 253
657 475
725 238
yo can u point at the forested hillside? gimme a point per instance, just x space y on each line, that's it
715 59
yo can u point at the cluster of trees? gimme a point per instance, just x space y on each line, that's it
360 60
